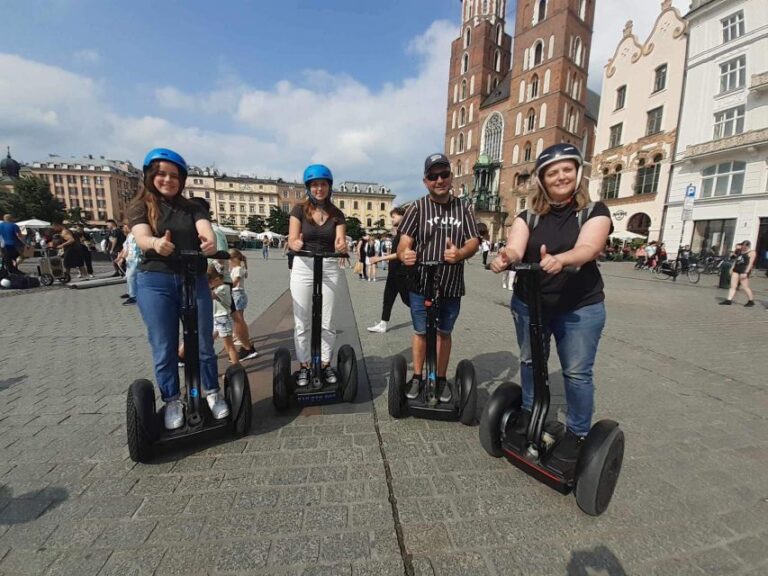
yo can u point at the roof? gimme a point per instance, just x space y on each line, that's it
85 163
593 104
501 92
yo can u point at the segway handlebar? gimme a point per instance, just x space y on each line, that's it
309 254
184 255
536 267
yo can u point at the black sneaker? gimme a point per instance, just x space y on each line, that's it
749 304
129 301
329 375
244 354
124 296
445 394
302 379
414 389
521 426
726 303
567 450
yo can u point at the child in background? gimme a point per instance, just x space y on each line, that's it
222 318
238 271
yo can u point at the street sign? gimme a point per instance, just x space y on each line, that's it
690 195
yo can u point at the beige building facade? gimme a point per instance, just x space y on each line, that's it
369 202
237 198
101 188
637 128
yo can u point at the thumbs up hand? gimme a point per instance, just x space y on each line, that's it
207 247
501 262
297 244
452 255
549 263
164 246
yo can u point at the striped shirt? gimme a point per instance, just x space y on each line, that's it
430 225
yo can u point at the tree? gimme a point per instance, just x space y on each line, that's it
74 216
354 228
32 198
255 224
277 221
227 221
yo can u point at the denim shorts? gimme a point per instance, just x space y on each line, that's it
222 325
449 311
240 298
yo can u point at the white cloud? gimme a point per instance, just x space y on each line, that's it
608 26
87 57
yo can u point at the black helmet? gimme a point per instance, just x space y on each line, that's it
555 153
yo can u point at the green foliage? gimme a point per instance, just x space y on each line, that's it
228 221
31 198
277 221
255 224
75 216
354 228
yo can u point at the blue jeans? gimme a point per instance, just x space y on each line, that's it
577 334
131 271
160 300
446 318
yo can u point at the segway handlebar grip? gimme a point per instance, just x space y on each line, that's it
431 262
183 255
309 254
536 267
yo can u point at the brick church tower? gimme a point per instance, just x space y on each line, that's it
539 101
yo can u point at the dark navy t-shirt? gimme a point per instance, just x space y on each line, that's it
319 238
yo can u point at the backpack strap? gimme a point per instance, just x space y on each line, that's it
584 214
532 219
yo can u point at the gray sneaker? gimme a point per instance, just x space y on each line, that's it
302 379
445 393
414 389
329 375
174 415
218 405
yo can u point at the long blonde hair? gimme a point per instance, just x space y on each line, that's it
539 201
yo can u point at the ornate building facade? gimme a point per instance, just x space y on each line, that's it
499 117
635 140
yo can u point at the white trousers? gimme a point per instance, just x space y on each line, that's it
301 293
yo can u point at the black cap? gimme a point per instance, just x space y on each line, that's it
434 160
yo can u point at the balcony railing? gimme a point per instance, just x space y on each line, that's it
753 137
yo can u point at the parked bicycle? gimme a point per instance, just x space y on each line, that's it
712 265
674 268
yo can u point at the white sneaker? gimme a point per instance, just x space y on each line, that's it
218 405
381 327
174 415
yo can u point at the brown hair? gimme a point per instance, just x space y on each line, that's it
539 201
213 274
149 198
235 254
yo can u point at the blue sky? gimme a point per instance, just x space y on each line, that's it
256 87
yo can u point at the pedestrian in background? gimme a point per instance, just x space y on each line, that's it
743 264
265 247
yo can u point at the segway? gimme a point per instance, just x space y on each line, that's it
463 403
317 391
145 425
594 474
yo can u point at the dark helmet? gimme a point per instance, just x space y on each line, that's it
318 172
555 153
167 155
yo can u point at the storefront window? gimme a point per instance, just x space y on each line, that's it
713 233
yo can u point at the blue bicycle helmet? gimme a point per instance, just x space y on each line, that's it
555 153
317 172
169 156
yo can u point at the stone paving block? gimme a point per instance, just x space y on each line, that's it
327 570
256 499
201 464
280 521
185 560
155 485
181 529
459 564
77 533
389 567
294 550
229 462
242 480
113 506
345 492
717 561
167 505
672 567
28 536
125 534
324 518
133 562
344 546
473 534
371 515
309 457
23 510
197 483
751 550
241 556
28 562
426 538
110 486
301 495
334 474
80 562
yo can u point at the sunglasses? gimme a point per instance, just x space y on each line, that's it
434 176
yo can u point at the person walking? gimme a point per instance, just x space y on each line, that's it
743 264
562 228
116 239
397 278
73 256
129 259
86 245
238 271
12 242
265 247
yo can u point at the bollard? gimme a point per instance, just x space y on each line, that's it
725 274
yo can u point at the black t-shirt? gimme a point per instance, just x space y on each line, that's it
119 237
395 266
430 224
179 216
319 238
559 230
741 262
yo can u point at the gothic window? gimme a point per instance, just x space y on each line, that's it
485 6
492 137
527 152
463 89
468 11
541 11
538 53
535 86
497 61
464 63
530 123
495 83
499 34
577 51
467 38
583 9
462 116
461 142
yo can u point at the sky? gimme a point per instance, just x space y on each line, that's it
251 87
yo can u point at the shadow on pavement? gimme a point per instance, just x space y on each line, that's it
30 506
8 382
599 560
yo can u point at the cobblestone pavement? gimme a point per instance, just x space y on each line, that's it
346 490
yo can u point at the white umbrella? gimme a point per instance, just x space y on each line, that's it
249 234
626 236
33 223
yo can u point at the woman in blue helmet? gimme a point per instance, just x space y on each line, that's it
561 228
163 223
315 225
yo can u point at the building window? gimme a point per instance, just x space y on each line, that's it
530 123
527 152
232 208
462 116
497 61
660 78
729 122
723 179
463 90
285 193
261 208
578 50
611 183
583 9
541 11
648 176
341 204
221 208
733 74
369 206
653 123
368 222
252 209
535 86
467 37
298 194
382 206
494 131
207 195
285 206
733 26
615 136
538 53
354 205
461 142
464 63
717 233
621 97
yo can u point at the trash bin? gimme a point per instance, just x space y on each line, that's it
725 274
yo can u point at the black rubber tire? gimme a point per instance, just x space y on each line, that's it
65 278
508 396
599 466
693 276
281 379
466 388
346 365
46 279
140 420
396 391
238 396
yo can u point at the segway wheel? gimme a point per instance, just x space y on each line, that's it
281 379
346 364
507 397
46 279
65 278
598 468
238 396
467 389
396 391
140 420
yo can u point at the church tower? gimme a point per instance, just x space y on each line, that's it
480 59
